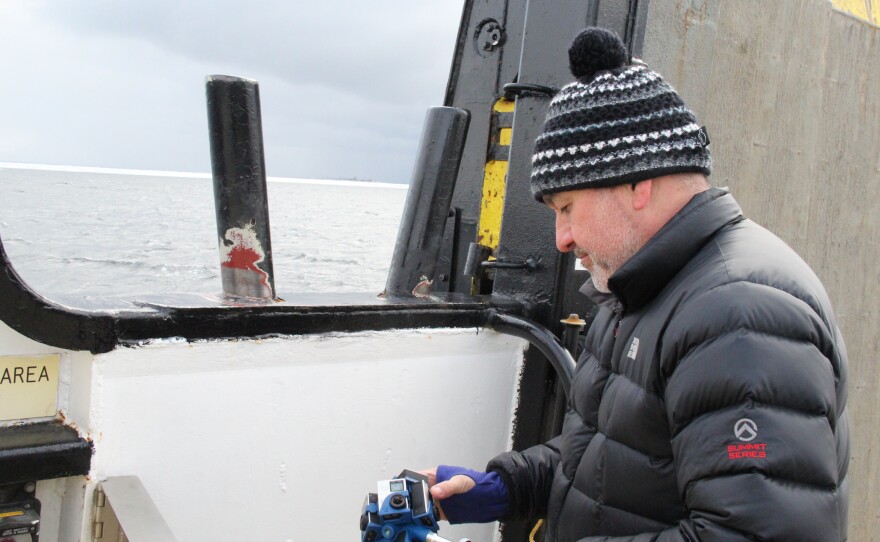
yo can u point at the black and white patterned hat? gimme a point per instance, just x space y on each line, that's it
616 124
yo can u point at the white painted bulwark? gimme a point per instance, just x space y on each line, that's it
281 439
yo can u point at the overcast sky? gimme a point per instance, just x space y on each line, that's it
344 84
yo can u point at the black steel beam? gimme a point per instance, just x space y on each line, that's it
42 451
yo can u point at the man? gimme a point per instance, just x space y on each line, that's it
709 402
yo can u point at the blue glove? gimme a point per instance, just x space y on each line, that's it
486 502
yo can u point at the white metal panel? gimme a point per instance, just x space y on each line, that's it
281 439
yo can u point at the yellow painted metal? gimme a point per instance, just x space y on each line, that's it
868 10
504 106
28 386
504 135
492 205
494 185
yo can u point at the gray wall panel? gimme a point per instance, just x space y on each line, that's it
790 93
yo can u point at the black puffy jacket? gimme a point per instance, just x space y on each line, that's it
709 402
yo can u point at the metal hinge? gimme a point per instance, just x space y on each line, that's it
106 526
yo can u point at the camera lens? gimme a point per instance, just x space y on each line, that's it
397 501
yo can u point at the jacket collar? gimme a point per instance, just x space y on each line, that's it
642 277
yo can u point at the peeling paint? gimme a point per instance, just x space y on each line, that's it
423 288
241 249
240 255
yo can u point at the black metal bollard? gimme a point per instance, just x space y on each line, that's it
240 198
573 326
427 203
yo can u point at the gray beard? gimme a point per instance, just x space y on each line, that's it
627 244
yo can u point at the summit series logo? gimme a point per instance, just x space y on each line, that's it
746 430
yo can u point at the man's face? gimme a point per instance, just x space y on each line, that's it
595 224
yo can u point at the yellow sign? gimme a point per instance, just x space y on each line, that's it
28 386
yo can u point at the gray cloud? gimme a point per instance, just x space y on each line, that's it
344 84
370 47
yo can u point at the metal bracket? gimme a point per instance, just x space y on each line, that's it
477 260
513 90
124 511
529 263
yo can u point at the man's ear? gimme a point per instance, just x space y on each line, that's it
641 194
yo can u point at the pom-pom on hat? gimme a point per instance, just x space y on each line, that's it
616 124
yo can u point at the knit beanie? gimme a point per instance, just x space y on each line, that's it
616 124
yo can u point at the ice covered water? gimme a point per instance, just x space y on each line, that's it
92 232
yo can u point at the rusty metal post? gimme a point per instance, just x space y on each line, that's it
427 203
240 197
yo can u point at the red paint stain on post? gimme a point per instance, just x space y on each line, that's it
245 252
243 258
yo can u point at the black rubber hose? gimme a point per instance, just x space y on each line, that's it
540 337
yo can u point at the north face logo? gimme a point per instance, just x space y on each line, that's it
633 348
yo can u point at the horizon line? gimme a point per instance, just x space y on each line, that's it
191 175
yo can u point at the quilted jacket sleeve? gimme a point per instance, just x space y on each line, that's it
528 476
755 400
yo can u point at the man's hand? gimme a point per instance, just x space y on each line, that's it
454 486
